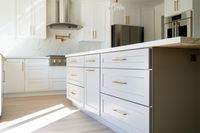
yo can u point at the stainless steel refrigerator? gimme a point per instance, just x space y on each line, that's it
126 34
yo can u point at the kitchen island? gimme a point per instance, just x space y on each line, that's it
151 87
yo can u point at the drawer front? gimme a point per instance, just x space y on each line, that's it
36 85
138 59
75 94
57 72
75 61
132 85
36 62
92 61
128 116
57 84
36 73
75 76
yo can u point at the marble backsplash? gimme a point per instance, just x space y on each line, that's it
44 47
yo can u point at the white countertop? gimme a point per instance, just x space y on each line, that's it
177 42
24 57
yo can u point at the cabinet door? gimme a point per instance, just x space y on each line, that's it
8 18
99 23
92 90
170 7
185 5
39 19
1 83
87 22
132 15
14 76
24 18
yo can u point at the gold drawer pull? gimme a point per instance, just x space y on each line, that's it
119 59
90 70
119 82
73 93
120 112
90 60
73 75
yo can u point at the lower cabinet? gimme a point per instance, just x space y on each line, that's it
33 75
130 117
92 90
76 95
14 76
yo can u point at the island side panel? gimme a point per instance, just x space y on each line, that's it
175 91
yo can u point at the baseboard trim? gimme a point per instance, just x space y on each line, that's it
27 94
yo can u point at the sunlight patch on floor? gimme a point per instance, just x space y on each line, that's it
4 125
41 122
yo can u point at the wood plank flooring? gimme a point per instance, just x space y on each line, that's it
46 114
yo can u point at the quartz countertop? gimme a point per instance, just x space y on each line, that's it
25 57
177 42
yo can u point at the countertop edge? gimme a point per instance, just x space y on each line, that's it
177 42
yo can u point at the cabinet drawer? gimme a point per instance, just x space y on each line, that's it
75 61
75 76
36 73
75 94
36 85
92 61
132 85
36 63
128 116
57 72
57 84
138 59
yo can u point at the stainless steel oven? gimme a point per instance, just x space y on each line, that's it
179 25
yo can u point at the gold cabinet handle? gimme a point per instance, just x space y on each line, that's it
120 112
95 34
119 82
90 60
127 19
175 5
90 70
119 59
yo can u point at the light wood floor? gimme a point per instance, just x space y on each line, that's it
46 114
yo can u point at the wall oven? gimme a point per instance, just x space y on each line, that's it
179 25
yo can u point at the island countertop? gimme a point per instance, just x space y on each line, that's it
177 42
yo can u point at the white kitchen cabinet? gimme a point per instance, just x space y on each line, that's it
174 7
8 18
129 16
130 117
57 78
93 17
31 18
36 75
2 80
92 90
76 95
14 76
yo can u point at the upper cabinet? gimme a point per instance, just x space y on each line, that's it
129 16
31 18
174 7
93 17
8 18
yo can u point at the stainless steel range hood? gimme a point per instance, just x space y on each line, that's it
63 17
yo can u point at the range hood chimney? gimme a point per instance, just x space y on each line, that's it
63 17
